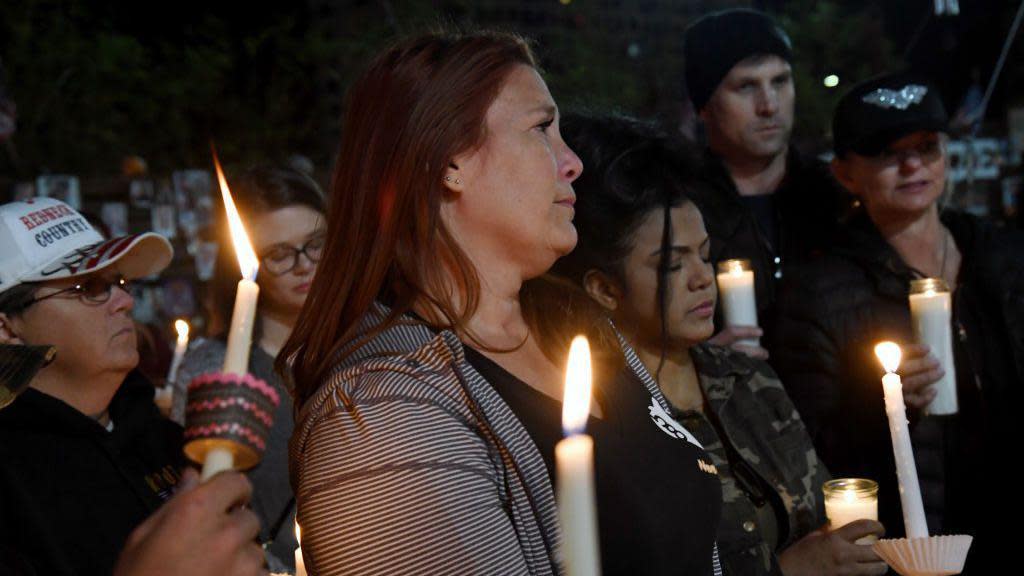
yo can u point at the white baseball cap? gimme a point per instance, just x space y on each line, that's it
45 239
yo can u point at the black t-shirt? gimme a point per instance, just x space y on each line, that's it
762 207
658 495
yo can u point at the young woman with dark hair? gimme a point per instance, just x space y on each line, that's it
643 257
284 214
429 404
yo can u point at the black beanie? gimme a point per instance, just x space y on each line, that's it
715 43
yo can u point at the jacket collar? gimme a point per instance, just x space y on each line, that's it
36 411
861 242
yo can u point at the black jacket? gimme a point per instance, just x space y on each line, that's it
70 491
806 206
832 312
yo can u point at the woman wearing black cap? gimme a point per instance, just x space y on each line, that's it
890 153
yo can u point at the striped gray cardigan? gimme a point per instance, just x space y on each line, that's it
406 461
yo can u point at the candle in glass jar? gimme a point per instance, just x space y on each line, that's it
930 312
851 499
737 296
574 464
906 470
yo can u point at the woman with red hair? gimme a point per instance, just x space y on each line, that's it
452 191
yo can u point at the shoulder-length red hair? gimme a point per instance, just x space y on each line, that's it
419 105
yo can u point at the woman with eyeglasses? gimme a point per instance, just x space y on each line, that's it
890 146
284 215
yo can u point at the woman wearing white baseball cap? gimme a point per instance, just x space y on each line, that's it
84 445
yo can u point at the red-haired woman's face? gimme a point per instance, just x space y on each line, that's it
512 200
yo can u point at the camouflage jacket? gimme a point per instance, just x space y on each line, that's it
780 470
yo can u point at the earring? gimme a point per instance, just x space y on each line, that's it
449 179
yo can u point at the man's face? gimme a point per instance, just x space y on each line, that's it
750 114
91 338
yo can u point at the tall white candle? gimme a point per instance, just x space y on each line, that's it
236 358
906 471
300 563
574 458
931 311
851 499
737 296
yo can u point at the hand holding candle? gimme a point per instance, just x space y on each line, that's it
574 456
906 471
736 293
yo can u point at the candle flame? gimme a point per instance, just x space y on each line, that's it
889 355
929 293
735 267
849 495
576 399
182 328
247 260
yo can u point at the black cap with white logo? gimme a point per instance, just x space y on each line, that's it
877 112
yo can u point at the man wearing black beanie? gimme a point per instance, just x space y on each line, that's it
766 204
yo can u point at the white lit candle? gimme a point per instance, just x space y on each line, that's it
906 471
236 358
851 499
737 296
164 396
300 564
930 311
574 457
180 347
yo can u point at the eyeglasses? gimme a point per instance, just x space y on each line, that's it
926 151
92 290
284 259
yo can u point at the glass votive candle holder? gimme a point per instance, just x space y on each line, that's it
850 499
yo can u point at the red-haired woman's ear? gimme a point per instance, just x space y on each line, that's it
453 180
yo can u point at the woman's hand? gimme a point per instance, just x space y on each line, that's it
734 336
918 371
204 530
834 552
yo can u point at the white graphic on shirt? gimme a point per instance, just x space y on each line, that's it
668 425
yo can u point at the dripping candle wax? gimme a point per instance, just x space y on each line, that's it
889 355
